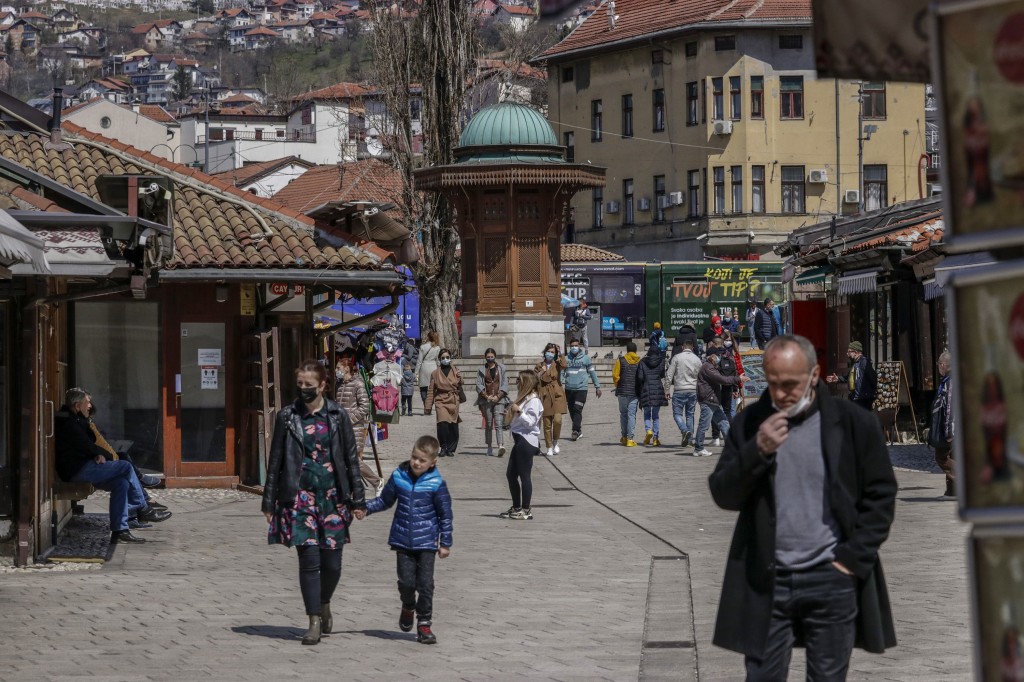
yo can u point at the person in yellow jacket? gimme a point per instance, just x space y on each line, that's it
624 376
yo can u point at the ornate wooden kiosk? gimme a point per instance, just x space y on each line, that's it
511 187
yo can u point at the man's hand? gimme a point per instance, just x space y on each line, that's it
444 552
832 378
99 459
842 569
598 392
773 433
359 514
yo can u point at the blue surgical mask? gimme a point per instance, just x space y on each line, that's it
446 361
548 355
575 350
727 318
728 344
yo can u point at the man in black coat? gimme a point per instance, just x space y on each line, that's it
812 481
862 380
765 326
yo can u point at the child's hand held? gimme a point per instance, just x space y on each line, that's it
444 552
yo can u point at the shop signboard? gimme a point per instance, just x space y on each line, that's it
979 59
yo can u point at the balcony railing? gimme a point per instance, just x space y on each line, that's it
267 136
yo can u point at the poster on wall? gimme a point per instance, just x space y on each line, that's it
979 59
690 298
988 352
997 561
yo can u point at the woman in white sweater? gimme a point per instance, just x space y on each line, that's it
527 411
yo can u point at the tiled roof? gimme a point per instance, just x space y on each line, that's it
517 9
261 31
243 175
209 231
336 91
918 235
240 97
639 19
366 180
157 113
584 253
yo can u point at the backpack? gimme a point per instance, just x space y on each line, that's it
727 366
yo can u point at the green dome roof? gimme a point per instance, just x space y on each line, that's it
507 123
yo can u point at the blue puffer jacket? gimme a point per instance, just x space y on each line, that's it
424 511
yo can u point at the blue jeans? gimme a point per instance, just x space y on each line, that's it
627 414
684 401
820 603
651 418
709 413
119 479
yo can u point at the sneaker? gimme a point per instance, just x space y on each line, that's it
703 452
575 436
656 442
555 449
648 437
380 486
550 452
716 442
490 451
630 443
405 619
521 515
508 514
686 438
501 451
622 441
424 635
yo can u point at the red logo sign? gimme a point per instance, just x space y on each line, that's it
1008 52
1017 325
280 289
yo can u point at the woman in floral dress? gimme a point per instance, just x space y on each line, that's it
313 484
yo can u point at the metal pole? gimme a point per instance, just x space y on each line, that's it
206 156
839 168
860 148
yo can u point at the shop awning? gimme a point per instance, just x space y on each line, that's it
858 282
953 264
77 253
815 275
18 245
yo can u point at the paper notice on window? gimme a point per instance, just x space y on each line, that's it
209 356
210 381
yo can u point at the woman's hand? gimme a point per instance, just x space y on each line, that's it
443 552
269 516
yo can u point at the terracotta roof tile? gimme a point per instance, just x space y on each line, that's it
639 18
917 236
584 253
157 113
336 91
208 231
366 180
249 172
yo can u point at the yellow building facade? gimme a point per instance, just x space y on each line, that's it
721 140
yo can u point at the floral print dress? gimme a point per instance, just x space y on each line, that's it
315 517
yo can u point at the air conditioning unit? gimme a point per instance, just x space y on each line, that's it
612 207
664 202
817 176
677 198
851 196
722 127
643 204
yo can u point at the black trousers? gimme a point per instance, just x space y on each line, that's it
520 468
576 400
406 404
319 573
416 581
820 602
448 435
423 394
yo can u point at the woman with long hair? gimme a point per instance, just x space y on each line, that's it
526 412
313 485
732 395
445 393
492 399
552 395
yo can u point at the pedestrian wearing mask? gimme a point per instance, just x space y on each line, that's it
445 392
552 395
312 487
579 369
730 322
492 399
709 396
350 393
861 377
426 363
731 365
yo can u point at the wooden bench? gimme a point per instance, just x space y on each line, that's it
74 492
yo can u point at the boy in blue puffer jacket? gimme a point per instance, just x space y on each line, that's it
422 528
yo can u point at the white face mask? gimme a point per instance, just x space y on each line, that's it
801 405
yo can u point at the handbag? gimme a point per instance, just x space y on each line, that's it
462 394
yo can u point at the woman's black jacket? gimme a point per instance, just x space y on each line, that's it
287 453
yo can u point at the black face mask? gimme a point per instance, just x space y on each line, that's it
309 395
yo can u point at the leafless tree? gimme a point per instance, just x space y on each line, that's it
430 44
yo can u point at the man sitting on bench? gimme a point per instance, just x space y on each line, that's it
81 459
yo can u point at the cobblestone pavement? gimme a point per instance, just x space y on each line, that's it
595 587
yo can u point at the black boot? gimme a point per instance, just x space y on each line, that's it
326 620
154 515
312 635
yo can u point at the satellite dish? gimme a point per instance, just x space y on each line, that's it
374 147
